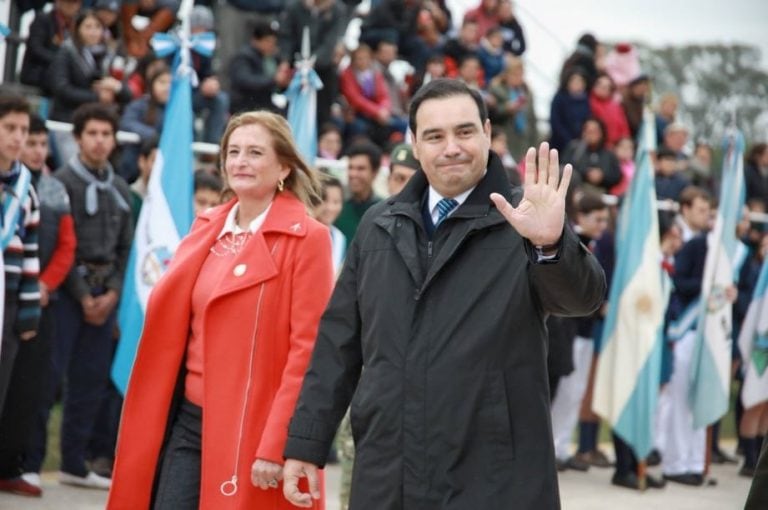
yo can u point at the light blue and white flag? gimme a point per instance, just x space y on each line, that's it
753 344
711 361
302 106
627 373
4 31
167 212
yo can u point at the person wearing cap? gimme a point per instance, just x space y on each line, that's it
108 11
402 166
255 72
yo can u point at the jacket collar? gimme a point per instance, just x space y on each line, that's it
288 215
494 181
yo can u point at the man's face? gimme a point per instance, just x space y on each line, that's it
697 214
267 45
676 140
35 151
386 53
593 224
14 128
399 176
451 143
96 143
360 176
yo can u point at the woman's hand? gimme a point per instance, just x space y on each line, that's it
265 474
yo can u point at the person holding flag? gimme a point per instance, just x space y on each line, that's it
628 369
753 345
227 338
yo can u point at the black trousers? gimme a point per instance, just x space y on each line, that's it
28 380
178 487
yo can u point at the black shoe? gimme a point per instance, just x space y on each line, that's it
747 472
692 479
561 465
576 464
719 457
628 481
654 458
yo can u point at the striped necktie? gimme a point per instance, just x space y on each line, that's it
444 208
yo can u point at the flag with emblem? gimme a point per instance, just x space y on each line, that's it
627 373
166 213
753 344
711 361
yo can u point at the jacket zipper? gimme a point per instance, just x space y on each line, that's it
230 487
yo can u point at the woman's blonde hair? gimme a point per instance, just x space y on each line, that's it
302 181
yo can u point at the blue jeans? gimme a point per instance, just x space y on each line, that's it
82 355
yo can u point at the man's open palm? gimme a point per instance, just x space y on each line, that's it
540 215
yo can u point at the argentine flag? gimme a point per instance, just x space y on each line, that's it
627 373
166 214
711 362
753 344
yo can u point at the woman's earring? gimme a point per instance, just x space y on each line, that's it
280 185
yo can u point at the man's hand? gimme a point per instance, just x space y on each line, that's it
540 215
44 294
27 335
293 471
265 474
210 86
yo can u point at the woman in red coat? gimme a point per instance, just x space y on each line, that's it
228 335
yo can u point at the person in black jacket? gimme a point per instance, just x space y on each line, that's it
46 34
327 22
443 299
598 167
79 74
756 173
254 72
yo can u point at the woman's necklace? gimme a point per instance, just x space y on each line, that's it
231 243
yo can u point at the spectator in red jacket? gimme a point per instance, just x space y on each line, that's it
366 92
604 106
486 15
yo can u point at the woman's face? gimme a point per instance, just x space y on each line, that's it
90 31
251 165
330 209
161 88
576 84
602 87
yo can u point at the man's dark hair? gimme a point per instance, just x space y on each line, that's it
442 88
93 111
12 103
666 222
37 125
590 202
691 193
262 29
368 149
148 145
207 180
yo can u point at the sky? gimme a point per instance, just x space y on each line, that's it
552 27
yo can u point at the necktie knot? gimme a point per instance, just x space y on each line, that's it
444 208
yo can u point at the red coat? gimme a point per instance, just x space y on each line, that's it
289 261
367 107
614 118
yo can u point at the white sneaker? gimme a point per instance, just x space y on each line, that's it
32 479
89 481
